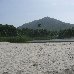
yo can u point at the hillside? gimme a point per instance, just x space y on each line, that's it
46 23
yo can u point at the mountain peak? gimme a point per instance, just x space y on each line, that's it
46 23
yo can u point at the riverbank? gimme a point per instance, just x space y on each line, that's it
37 58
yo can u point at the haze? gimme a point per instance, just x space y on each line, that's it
18 12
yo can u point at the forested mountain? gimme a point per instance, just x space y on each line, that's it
9 33
46 23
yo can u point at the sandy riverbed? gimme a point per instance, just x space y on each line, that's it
36 58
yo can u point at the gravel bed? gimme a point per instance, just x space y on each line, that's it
37 58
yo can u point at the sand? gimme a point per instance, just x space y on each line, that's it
36 58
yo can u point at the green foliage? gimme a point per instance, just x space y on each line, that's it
7 30
32 33
8 33
42 38
39 25
67 33
15 39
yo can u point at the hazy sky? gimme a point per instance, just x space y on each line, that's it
18 12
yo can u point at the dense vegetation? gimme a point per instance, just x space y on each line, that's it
9 33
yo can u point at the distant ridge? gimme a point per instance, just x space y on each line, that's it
47 23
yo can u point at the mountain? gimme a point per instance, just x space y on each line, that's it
46 23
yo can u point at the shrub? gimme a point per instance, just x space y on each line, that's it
18 39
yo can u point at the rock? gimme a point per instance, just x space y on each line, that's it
5 73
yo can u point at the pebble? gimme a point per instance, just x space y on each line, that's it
37 58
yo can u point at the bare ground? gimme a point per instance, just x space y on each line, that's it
37 58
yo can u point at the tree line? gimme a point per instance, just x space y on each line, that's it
13 34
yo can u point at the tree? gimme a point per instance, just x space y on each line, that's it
39 25
7 30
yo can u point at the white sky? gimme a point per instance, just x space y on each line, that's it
18 12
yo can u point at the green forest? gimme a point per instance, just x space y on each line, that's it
9 33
